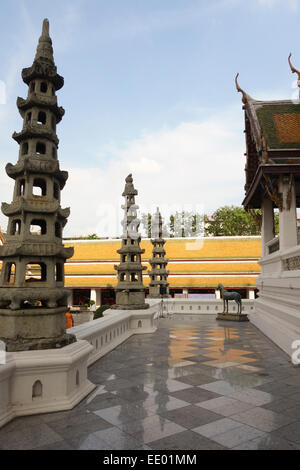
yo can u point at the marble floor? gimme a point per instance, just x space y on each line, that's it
194 384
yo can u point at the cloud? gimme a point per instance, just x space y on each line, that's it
195 164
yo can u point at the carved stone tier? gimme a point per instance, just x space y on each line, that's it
37 205
36 249
37 165
153 261
49 102
38 131
130 267
158 271
130 249
43 70
14 296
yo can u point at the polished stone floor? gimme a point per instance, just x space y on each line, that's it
194 384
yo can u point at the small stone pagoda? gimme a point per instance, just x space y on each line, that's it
159 286
33 300
130 291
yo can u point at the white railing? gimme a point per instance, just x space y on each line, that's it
203 307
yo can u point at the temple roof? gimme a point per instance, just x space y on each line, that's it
278 120
272 131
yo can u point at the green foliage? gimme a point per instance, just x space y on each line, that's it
92 236
99 312
232 221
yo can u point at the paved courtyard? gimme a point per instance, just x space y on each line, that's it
194 384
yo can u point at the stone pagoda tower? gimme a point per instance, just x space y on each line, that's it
130 291
159 286
33 300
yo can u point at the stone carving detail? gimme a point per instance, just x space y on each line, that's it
291 264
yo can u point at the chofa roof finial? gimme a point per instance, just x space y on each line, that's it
294 70
239 89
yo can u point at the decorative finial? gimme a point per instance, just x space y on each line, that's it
129 187
45 30
239 89
294 70
44 49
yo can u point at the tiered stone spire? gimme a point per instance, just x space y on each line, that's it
33 300
159 286
130 291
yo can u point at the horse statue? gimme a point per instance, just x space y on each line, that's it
230 296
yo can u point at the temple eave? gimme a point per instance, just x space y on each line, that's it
45 70
38 132
36 165
48 102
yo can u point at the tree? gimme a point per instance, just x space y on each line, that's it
92 236
233 221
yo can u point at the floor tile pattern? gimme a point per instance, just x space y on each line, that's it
193 384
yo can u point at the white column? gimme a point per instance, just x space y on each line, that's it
93 295
185 292
251 294
218 294
98 298
267 226
288 232
70 299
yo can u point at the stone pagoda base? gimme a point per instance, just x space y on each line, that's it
130 300
154 293
232 317
34 328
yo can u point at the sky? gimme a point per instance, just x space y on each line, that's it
149 90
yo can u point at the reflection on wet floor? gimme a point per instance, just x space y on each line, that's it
193 384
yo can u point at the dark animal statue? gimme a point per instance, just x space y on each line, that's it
230 296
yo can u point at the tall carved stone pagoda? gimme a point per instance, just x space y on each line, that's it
130 291
159 286
33 300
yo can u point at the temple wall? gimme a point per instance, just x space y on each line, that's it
277 309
